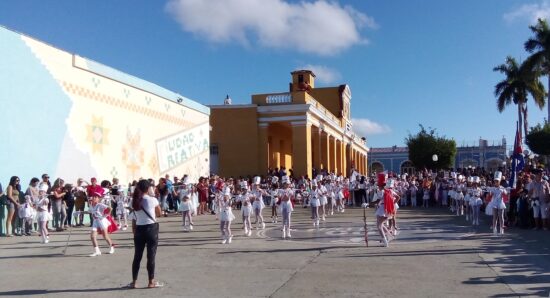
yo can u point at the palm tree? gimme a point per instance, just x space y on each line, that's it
520 81
539 47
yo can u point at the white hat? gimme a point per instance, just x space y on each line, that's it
470 179
257 180
244 183
476 179
274 179
319 177
460 177
498 175
390 183
285 179
186 180
314 182
227 191
453 175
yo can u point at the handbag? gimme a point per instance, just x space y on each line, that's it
155 225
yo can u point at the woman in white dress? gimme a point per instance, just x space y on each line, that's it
497 203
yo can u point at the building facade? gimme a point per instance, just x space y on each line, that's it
305 129
396 159
72 117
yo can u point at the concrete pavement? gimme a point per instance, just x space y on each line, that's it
436 255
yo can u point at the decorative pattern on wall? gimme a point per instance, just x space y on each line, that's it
97 134
123 104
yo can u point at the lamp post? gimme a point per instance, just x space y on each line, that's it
435 159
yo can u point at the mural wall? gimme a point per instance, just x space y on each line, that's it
72 117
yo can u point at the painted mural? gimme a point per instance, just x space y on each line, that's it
72 117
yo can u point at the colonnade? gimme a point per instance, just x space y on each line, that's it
304 146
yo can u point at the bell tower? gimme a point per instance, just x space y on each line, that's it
302 80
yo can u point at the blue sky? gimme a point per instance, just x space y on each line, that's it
407 62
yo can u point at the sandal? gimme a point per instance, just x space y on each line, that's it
156 284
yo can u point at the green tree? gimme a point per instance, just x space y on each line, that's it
539 47
538 139
423 145
519 82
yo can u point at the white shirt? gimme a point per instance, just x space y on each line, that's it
149 203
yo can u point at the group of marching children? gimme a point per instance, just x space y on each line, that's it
466 199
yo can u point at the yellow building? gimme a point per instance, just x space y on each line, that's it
302 129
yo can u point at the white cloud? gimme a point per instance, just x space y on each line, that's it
319 27
365 127
531 12
323 74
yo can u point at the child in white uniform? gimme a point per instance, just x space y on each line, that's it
286 196
258 205
246 211
497 202
226 217
314 203
122 211
43 215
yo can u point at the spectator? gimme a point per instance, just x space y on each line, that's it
146 230
58 205
12 193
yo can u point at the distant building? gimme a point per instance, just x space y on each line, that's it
396 159
303 129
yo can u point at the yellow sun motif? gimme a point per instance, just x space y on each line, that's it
97 134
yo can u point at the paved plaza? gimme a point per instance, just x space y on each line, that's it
436 255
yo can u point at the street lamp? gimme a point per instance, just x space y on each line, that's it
435 158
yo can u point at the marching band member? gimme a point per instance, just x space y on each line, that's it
258 204
286 196
246 208
476 201
497 203
122 204
323 199
314 202
99 212
384 199
274 198
43 215
226 217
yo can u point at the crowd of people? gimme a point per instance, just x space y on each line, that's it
46 207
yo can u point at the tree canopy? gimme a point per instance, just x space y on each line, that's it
424 144
538 139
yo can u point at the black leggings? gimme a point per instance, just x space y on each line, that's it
146 234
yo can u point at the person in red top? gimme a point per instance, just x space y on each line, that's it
202 188
91 190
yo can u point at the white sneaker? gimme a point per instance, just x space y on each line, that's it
124 228
96 253
331 212
112 250
224 241
386 243
317 222
249 233
230 238
314 223
46 241
495 231
288 234
246 232
191 227
263 225
284 233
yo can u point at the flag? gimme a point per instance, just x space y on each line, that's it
518 161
